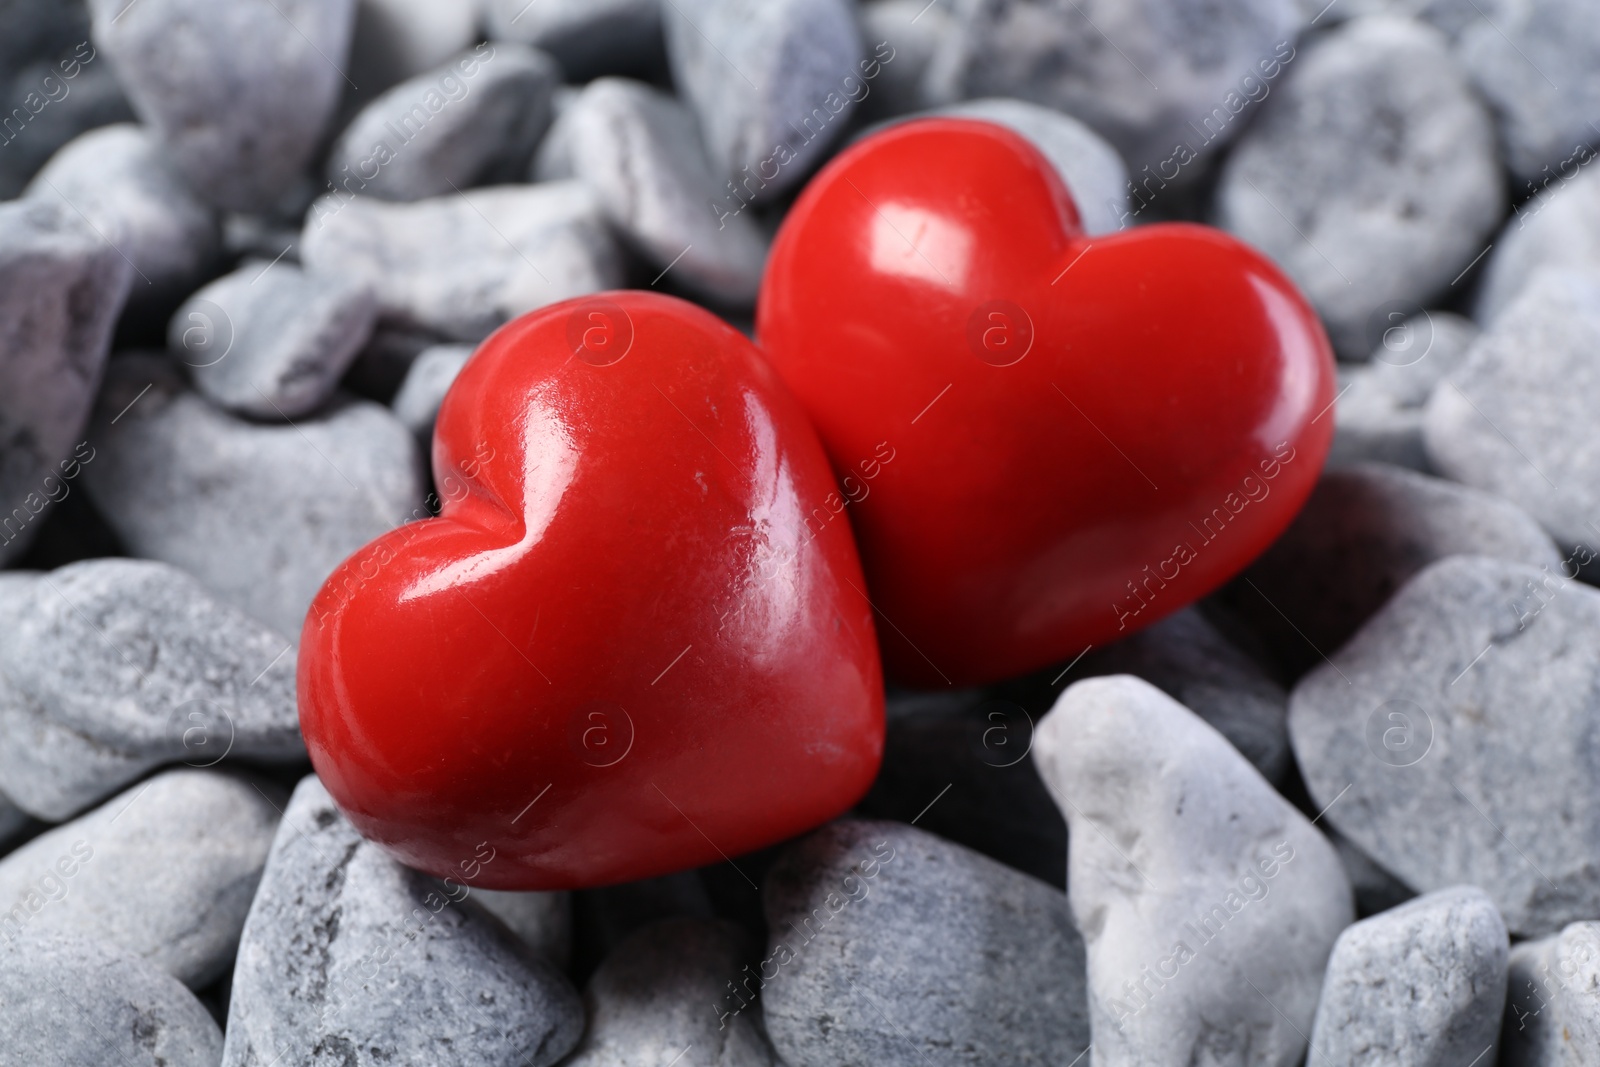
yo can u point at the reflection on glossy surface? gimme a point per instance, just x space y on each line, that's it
621 641
1093 433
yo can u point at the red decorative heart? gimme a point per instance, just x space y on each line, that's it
1087 434
618 652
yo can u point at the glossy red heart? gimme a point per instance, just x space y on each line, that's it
617 652
1088 433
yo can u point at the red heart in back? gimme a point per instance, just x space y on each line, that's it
1087 433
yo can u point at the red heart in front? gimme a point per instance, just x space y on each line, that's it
1088 433
618 652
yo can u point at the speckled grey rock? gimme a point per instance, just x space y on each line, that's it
542 920
912 29
1090 167
640 151
1366 529
587 37
238 92
1380 415
120 179
1175 73
1535 60
1560 227
1516 419
655 997
1209 905
71 1001
1372 176
164 871
1419 727
1553 1008
888 945
773 83
61 289
397 39
442 130
464 265
261 515
432 373
271 340
1420 985
348 958
65 94
111 667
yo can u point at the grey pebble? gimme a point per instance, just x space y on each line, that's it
542 920
271 341
61 290
348 958
1553 1009
657 995
1373 176
463 265
398 39
1419 727
1181 73
70 1001
1534 60
640 152
588 38
165 872
1516 419
891 946
1380 416
1422 984
432 373
1366 529
1209 905
261 515
61 95
553 161
239 93
773 83
444 129
1559 227
121 181
1450 16
913 30
112 667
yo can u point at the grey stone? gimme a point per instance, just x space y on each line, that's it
61 289
656 997
1535 60
891 946
1560 227
118 177
1422 984
112 667
1366 529
239 93
553 161
1149 76
1089 167
588 37
52 101
1553 1011
165 872
1372 178
1450 16
445 129
463 265
773 82
1380 415
432 373
639 150
913 30
261 515
271 340
349 958
398 39
1419 729
542 920
1209 905
1516 419
71 1001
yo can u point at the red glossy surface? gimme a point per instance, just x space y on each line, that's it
1067 413
619 618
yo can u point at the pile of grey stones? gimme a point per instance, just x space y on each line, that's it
1345 811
